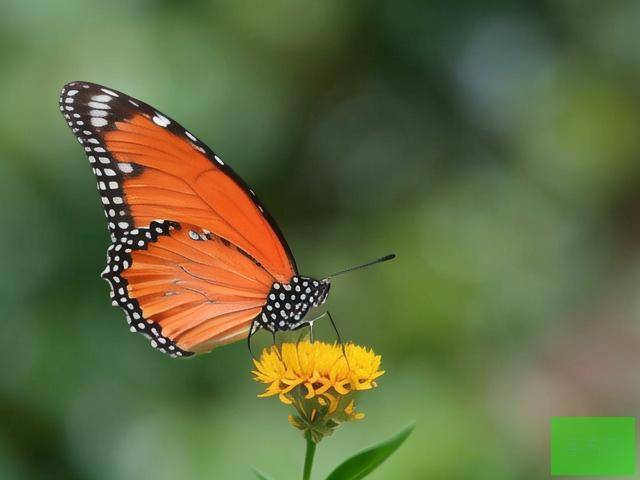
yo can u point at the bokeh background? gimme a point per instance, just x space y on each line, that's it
494 146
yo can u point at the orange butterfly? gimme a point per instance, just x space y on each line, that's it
196 261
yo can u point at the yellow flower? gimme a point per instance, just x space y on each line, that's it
318 380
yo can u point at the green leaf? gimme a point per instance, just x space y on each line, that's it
261 475
365 462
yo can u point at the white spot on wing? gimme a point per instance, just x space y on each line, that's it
125 167
101 106
98 122
161 120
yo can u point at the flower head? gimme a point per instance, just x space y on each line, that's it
320 380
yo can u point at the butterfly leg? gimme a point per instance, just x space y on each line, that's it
273 334
335 328
309 324
255 326
299 339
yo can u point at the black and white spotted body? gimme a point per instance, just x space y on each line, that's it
288 303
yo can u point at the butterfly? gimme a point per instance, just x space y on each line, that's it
196 261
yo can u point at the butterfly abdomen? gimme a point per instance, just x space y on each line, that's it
288 303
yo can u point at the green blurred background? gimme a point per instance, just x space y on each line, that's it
493 146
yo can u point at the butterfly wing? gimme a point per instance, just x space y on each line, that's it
187 290
150 171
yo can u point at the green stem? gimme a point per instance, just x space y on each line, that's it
308 458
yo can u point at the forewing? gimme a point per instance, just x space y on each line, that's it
149 167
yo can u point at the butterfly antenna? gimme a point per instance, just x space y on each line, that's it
335 328
391 256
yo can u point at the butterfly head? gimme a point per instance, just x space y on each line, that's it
288 303
317 290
